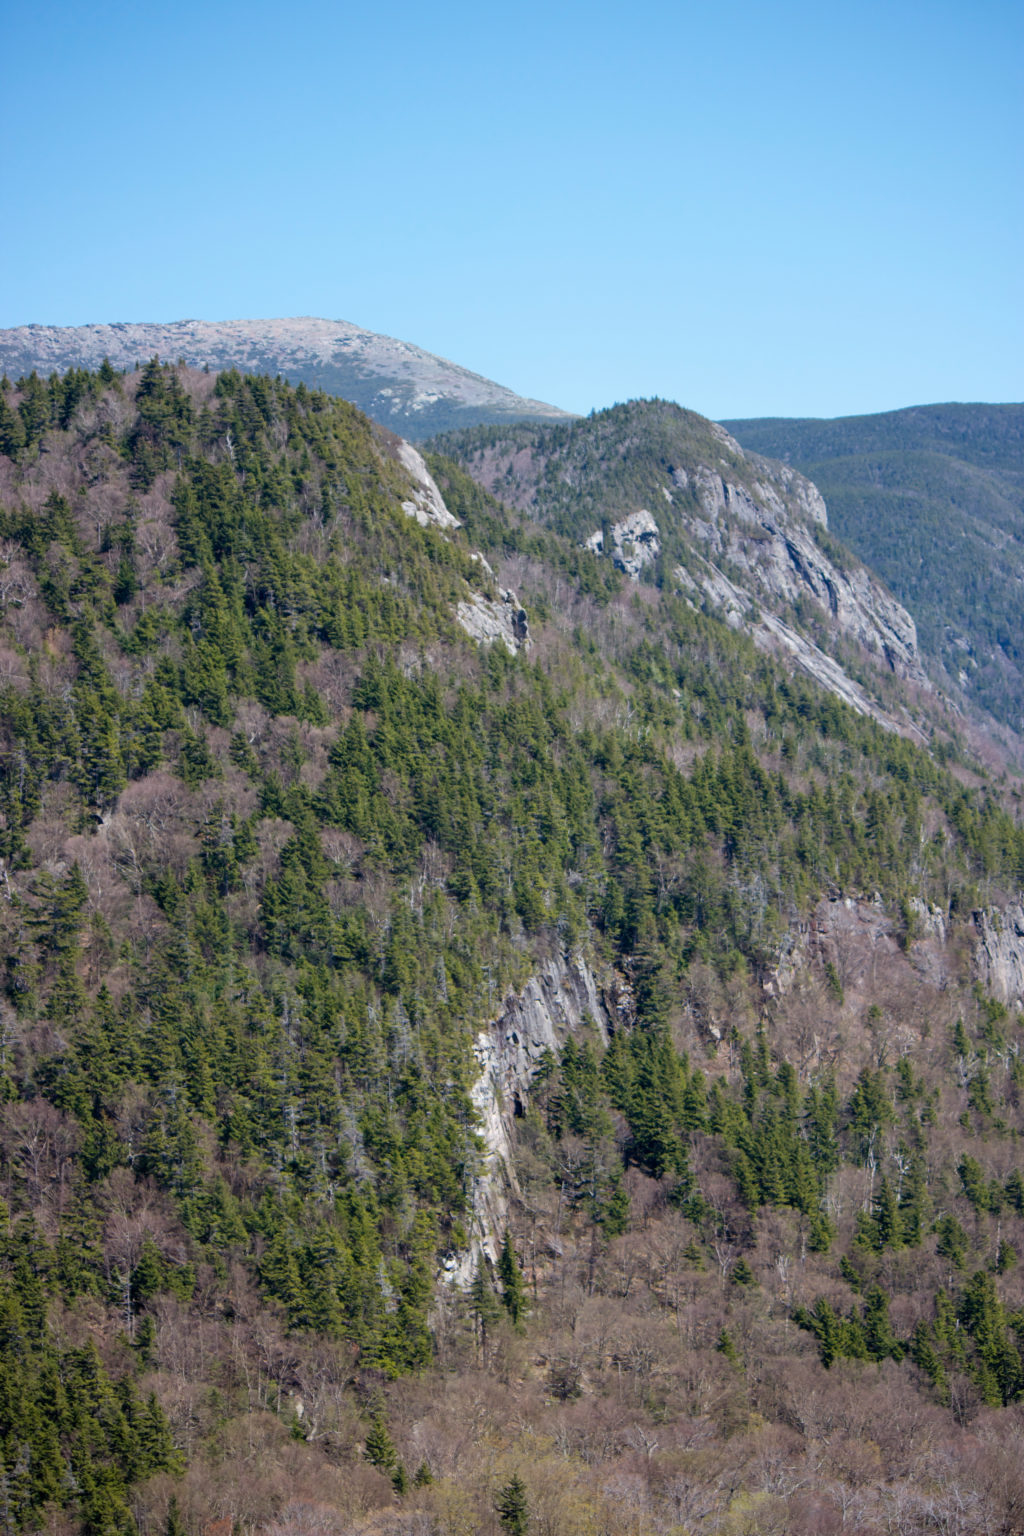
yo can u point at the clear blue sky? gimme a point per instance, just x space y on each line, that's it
752 208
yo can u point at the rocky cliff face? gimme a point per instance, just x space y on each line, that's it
485 619
633 543
668 495
999 953
426 504
899 968
770 633
766 532
952 477
566 996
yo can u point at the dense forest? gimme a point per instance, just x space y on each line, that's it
278 840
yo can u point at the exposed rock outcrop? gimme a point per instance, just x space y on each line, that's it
635 542
770 633
999 954
427 504
487 619
864 947
752 534
564 997
780 561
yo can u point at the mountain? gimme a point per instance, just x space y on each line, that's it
666 494
933 499
412 391
487 1038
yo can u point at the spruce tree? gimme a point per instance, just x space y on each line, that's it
483 1302
379 1448
512 1507
174 1525
513 1290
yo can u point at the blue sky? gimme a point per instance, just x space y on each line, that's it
752 208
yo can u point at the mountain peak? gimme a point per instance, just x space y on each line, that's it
396 382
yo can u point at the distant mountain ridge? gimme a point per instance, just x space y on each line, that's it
932 497
395 382
651 485
977 433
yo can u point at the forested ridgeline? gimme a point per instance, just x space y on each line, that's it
662 492
278 839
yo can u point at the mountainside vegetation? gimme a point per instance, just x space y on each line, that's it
575 474
279 840
933 498
670 496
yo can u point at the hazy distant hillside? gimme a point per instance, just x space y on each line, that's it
933 498
412 391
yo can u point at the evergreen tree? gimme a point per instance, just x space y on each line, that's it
174 1525
486 1308
512 1507
878 1335
379 1448
513 1289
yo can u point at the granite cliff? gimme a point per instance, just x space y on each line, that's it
564 997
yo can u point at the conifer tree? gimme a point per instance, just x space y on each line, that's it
379 1448
512 1507
513 1289
174 1525
485 1306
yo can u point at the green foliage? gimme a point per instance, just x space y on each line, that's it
726 1346
512 1507
484 1304
513 1290
591 469
379 1450
61 1411
742 1274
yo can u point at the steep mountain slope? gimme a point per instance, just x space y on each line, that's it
568 1065
668 495
410 390
933 499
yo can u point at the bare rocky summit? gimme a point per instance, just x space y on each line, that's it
410 390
